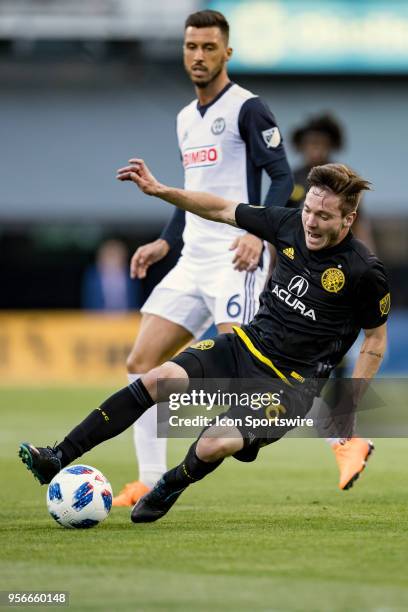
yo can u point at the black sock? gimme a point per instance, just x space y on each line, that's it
115 415
190 469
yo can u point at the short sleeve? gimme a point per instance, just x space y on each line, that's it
263 222
373 297
260 132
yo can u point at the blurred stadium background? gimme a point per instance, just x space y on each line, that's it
87 83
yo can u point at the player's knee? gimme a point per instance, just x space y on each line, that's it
212 449
166 372
139 363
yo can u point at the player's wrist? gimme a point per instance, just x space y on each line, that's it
161 191
164 245
170 194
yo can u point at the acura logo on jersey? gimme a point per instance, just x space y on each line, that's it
298 286
218 126
197 157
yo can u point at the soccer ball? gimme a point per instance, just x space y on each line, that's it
79 497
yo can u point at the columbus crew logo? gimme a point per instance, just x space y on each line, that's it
203 345
273 412
333 280
385 304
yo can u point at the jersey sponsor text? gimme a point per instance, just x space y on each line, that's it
293 302
198 157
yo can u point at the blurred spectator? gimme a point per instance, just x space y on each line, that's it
317 140
106 284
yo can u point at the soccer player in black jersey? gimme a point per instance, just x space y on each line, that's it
325 288
317 140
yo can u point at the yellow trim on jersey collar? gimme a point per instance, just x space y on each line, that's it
256 353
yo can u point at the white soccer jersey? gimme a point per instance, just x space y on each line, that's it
225 146
222 156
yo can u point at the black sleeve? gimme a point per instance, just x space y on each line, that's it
263 222
373 297
173 231
259 130
281 183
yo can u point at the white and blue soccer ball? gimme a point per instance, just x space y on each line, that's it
79 496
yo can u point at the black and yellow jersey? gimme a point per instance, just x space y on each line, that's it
316 302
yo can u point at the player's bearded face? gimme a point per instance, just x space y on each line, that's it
323 222
205 54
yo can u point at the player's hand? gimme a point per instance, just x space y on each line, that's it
147 255
248 249
139 173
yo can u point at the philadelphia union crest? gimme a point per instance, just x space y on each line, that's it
218 126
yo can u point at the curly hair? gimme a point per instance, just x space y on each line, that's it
324 124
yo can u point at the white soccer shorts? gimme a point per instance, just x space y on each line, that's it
195 295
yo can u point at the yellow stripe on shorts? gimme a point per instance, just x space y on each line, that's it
256 353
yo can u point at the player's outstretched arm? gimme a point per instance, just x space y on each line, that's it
203 204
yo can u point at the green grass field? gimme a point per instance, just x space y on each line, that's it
275 535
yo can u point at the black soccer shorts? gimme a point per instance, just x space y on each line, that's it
226 357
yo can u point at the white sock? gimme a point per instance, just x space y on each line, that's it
332 441
150 450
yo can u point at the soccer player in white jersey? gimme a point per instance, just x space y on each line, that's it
227 138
